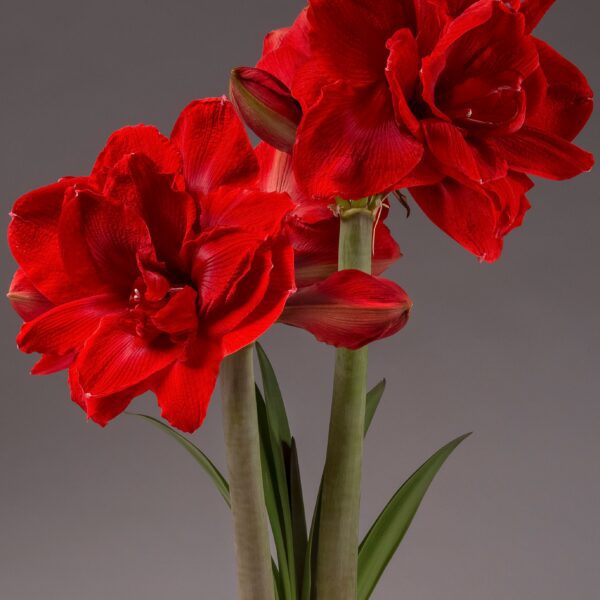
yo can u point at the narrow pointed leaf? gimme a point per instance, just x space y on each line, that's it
373 399
298 514
272 501
199 456
273 399
389 529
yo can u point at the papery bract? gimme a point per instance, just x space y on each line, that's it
145 274
454 96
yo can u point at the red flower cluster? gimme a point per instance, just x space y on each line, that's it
172 254
145 274
454 99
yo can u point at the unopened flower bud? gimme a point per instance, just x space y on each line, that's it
266 105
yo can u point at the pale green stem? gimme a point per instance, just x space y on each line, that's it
338 531
240 425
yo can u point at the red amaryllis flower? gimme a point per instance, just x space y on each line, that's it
145 274
454 99
347 308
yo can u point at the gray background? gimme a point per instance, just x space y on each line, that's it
509 351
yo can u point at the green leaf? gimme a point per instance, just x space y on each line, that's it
199 456
272 502
389 529
373 399
372 402
273 400
297 513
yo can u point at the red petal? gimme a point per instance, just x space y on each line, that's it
276 173
51 363
115 358
26 299
402 72
357 31
534 10
220 258
214 145
102 409
432 18
350 145
104 235
434 64
568 102
33 240
179 315
138 139
280 286
254 211
546 155
170 215
477 219
184 390
65 328
449 146
285 50
349 309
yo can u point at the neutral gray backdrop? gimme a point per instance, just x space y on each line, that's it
509 351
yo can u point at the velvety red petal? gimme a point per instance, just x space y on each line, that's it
350 145
276 173
214 146
33 240
432 18
242 298
357 31
185 388
546 155
26 299
568 102
477 219
433 65
115 358
253 211
449 146
137 139
220 258
402 72
101 238
65 328
170 215
285 50
102 409
52 363
349 309
179 314
280 285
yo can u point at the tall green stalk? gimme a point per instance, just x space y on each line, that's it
240 425
338 530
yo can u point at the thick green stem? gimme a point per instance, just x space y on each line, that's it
240 424
339 522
